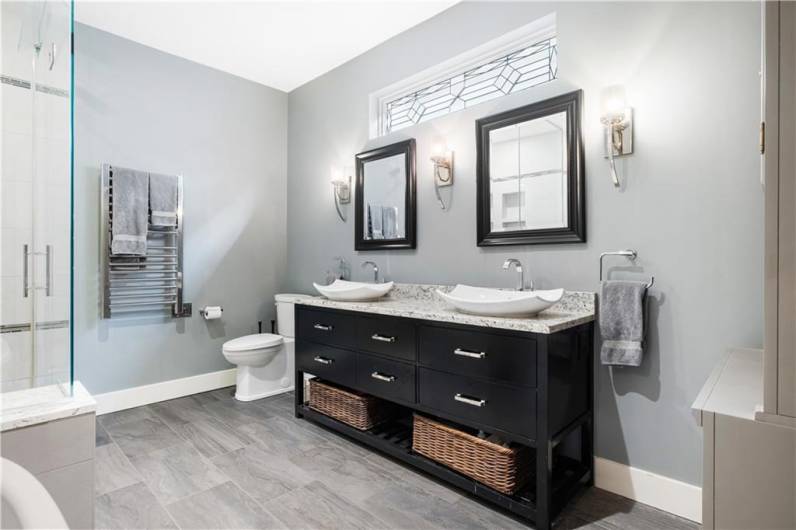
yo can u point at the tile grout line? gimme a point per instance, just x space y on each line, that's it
142 481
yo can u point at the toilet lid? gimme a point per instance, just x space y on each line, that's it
253 342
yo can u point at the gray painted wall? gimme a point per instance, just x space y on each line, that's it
692 203
141 108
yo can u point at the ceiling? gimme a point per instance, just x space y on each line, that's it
279 44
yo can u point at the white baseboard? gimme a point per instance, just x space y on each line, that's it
661 492
146 394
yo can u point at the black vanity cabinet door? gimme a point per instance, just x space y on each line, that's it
478 354
508 408
391 337
326 327
326 362
387 379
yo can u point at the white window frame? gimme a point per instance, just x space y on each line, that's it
539 30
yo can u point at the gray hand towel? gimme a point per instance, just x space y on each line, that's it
622 322
130 209
163 197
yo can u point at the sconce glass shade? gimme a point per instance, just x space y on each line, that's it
341 186
613 101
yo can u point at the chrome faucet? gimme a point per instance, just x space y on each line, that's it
520 273
375 270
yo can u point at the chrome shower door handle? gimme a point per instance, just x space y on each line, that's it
25 271
48 256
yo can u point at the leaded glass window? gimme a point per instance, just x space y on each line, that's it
523 68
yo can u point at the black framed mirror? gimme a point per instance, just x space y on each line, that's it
385 209
530 176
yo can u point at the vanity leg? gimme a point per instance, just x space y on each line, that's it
544 482
587 448
544 446
298 392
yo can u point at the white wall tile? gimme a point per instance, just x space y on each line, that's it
16 356
11 250
52 352
52 116
17 109
16 204
14 308
17 157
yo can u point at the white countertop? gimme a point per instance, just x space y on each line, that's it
735 387
23 408
421 302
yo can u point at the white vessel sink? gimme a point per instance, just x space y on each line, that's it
497 303
353 291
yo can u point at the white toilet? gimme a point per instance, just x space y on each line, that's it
266 362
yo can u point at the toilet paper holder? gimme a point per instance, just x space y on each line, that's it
203 311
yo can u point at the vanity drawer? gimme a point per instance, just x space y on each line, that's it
327 362
384 378
326 327
393 337
478 354
511 409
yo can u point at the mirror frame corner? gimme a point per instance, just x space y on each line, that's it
407 148
575 231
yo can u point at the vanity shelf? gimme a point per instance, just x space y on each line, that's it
395 440
527 387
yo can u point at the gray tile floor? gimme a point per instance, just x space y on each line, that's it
208 461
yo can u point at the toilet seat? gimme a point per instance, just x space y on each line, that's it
253 342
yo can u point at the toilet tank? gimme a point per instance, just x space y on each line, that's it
285 313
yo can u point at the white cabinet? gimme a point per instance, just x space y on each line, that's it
780 198
749 466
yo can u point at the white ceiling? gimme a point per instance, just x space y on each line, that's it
279 44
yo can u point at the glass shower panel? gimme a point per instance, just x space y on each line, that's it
36 194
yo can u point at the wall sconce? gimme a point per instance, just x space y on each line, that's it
617 120
341 187
442 158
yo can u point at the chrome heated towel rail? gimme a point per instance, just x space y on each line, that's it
136 284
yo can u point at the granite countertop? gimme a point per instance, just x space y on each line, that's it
23 408
421 302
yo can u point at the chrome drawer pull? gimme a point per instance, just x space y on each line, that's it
470 401
382 377
382 338
323 360
323 327
469 353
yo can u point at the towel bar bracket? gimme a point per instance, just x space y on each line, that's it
187 311
629 254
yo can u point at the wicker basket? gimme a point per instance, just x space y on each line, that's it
506 469
356 409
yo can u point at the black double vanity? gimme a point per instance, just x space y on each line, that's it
527 381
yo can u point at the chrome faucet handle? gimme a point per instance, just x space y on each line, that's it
375 270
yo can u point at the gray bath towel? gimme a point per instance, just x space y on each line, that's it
130 209
163 199
622 322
